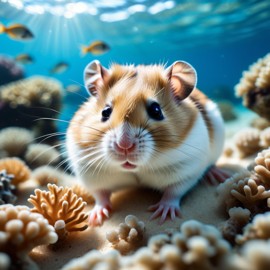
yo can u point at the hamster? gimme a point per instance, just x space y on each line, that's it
144 125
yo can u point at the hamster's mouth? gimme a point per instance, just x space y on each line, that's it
129 166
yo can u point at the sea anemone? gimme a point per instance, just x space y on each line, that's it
61 207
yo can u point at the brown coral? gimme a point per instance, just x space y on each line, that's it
61 207
41 154
259 228
247 142
254 87
17 168
21 231
262 167
131 231
265 137
14 141
83 193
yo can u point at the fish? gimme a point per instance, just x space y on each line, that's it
24 58
59 68
16 31
97 48
73 88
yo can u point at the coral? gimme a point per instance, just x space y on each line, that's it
39 154
9 70
6 189
31 99
61 207
131 231
14 141
262 167
83 193
239 217
259 228
265 138
5 262
196 246
260 123
17 168
95 260
247 142
254 87
45 175
21 231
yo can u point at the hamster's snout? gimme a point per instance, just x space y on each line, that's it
124 148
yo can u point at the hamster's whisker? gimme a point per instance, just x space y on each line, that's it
50 135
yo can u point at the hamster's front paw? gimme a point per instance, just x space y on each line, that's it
98 214
165 209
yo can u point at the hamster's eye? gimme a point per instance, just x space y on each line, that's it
154 111
106 112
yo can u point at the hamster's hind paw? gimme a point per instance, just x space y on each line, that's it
98 214
165 210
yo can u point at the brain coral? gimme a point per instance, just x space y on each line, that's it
30 99
254 87
61 207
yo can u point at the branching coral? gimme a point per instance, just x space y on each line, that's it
254 87
6 188
61 207
259 228
14 141
21 231
196 246
41 154
83 193
262 167
131 231
17 168
239 217
247 142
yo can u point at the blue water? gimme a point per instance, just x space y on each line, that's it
219 38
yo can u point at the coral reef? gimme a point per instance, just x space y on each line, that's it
7 190
196 246
262 167
83 193
247 142
131 232
45 175
61 207
21 231
17 168
14 141
9 70
260 123
30 99
254 87
39 154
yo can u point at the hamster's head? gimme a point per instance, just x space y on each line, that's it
135 114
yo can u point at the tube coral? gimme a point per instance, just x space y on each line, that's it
254 87
17 168
61 207
21 231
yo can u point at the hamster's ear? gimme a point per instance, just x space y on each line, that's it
94 76
183 79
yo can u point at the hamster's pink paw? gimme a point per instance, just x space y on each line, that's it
215 176
165 210
98 214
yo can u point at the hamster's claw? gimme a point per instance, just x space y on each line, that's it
216 176
164 210
98 214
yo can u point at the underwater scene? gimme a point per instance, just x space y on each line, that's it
135 135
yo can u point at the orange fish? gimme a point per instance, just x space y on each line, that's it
96 48
24 58
16 31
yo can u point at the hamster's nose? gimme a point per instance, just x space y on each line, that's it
124 149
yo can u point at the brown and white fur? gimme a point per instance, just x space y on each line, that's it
158 131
